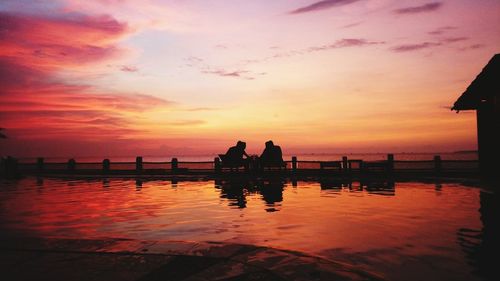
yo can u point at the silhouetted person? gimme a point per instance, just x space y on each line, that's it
234 155
272 155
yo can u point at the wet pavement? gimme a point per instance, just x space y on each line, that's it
125 259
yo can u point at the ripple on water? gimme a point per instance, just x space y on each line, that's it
397 229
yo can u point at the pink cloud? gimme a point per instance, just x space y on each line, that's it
59 41
35 103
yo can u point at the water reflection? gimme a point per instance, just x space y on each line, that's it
482 247
105 183
431 229
237 189
138 184
378 187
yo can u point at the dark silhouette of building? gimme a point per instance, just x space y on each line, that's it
483 95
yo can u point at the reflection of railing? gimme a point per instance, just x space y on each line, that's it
343 166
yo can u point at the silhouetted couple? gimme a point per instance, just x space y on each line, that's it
270 156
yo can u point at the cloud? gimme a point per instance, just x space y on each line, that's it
186 122
426 45
414 47
322 5
441 30
129 68
55 41
352 24
36 102
205 68
429 7
242 73
201 109
454 39
341 43
221 46
233 73
472 47
344 43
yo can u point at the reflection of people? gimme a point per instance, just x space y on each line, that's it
272 155
234 191
272 191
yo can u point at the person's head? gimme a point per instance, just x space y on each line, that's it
241 144
269 143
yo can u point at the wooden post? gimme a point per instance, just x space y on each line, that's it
390 163
344 164
437 164
138 164
71 165
105 165
39 164
294 163
175 164
217 166
10 166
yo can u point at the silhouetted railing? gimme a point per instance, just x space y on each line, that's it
343 166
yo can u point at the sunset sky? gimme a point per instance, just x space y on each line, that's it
124 77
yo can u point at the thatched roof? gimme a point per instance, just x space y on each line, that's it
483 88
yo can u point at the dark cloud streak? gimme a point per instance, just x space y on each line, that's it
322 5
429 7
427 45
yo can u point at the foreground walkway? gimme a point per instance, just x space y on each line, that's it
122 259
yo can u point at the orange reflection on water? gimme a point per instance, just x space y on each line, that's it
380 224
311 216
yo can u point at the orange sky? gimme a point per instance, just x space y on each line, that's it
118 77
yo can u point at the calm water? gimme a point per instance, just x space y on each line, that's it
404 231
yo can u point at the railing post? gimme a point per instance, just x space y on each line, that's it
344 164
294 163
10 167
105 165
217 166
39 164
71 165
138 164
390 163
175 164
437 164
